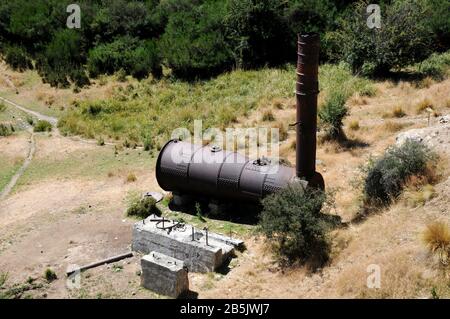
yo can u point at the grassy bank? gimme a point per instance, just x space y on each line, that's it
148 111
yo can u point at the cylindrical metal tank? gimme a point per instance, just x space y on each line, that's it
212 172
209 171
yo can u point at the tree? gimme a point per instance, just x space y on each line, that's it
402 40
63 58
194 43
257 32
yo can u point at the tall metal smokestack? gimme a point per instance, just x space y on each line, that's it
307 89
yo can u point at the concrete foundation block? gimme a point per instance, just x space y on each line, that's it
164 275
198 254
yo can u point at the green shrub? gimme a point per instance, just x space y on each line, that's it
293 223
30 120
386 176
435 66
42 126
50 275
6 130
142 207
17 58
2 107
332 113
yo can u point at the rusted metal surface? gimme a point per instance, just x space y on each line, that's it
307 89
213 173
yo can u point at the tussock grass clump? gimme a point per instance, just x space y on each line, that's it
141 207
354 125
268 116
42 126
2 106
294 224
387 176
131 178
418 197
398 111
437 238
424 105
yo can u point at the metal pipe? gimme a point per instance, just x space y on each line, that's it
307 89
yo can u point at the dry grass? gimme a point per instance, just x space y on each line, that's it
426 83
357 100
398 112
282 130
437 238
424 105
278 103
268 116
354 125
392 126
418 197
131 178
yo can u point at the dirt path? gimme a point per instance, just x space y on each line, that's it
5 192
40 116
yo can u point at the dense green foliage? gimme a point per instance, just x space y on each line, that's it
202 38
42 126
293 222
387 175
137 58
403 39
193 43
142 207
6 129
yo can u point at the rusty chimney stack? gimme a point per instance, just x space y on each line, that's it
307 89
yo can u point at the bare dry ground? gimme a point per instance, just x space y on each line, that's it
69 208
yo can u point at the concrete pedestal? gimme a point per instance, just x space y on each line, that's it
164 275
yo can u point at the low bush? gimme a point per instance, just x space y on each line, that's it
293 222
42 126
436 66
387 175
2 107
6 130
142 207
50 275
